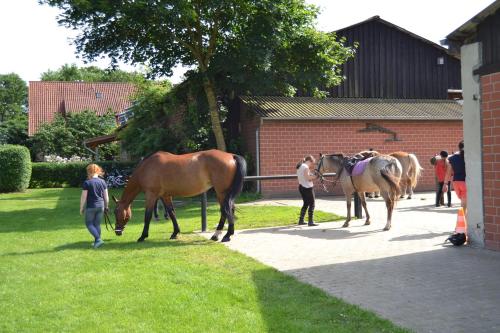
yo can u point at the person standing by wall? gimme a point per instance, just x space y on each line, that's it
306 189
440 171
94 202
456 169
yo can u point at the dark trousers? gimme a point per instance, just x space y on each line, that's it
308 198
439 193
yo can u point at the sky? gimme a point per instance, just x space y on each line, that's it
31 41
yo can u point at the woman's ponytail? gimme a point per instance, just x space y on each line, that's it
302 161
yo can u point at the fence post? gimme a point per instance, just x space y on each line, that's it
204 212
357 206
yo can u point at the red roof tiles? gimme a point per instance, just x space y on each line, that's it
47 98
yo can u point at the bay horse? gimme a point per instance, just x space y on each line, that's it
411 171
382 173
165 175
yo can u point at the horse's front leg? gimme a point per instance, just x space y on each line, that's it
150 205
363 202
348 198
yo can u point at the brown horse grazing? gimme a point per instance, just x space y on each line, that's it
382 173
164 175
411 172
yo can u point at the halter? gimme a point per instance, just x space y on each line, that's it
322 178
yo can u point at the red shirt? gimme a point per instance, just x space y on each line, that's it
440 169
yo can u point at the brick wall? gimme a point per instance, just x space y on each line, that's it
490 106
284 143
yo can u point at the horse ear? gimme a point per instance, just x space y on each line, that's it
114 199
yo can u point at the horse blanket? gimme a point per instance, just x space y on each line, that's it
360 167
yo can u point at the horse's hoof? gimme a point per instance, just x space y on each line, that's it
368 223
141 239
214 238
173 236
345 225
409 197
387 228
401 196
225 239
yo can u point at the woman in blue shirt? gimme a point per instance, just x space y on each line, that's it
94 201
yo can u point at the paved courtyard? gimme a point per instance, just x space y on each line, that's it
406 275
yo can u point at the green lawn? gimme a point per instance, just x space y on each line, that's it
52 281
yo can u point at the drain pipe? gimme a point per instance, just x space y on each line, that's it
257 156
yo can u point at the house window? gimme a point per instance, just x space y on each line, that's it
440 60
98 95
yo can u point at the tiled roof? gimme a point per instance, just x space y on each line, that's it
47 98
286 108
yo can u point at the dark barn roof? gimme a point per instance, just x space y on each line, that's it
310 108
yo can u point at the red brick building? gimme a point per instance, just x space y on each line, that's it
279 131
478 41
48 98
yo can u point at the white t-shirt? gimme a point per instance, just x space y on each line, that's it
302 179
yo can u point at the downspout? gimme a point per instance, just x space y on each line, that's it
257 157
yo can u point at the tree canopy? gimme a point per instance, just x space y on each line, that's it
91 74
64 135
13 96
225 40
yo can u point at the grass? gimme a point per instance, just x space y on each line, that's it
50 279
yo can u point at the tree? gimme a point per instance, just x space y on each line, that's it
166 32
13 96
15 130
65 135
91 74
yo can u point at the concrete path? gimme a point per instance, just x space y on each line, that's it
406 274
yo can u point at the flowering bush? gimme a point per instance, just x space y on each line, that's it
59 159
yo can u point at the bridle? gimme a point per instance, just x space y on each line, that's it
322 179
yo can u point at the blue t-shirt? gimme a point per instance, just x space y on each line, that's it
95 192
458 164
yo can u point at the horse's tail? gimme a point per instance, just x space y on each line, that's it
415 169
391 174
236 185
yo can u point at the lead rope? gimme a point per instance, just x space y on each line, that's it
107 221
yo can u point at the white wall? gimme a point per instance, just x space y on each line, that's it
471 59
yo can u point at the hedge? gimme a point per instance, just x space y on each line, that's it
15 168
46 174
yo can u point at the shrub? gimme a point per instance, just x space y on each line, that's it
15 166
73 174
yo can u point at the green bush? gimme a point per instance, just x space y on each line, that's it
47 174
15 168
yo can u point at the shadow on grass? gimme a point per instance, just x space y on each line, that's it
112 245
291 306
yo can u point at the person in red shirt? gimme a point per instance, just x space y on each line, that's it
440 170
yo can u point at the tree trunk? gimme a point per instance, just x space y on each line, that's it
208 86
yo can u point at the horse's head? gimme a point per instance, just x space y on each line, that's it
330 163
122 215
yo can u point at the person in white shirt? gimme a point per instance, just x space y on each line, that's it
306 188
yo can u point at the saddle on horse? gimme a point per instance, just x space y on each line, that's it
350 162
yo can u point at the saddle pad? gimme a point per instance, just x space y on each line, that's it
360 167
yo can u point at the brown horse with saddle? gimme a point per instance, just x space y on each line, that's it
165 175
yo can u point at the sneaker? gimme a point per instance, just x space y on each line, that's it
98 243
